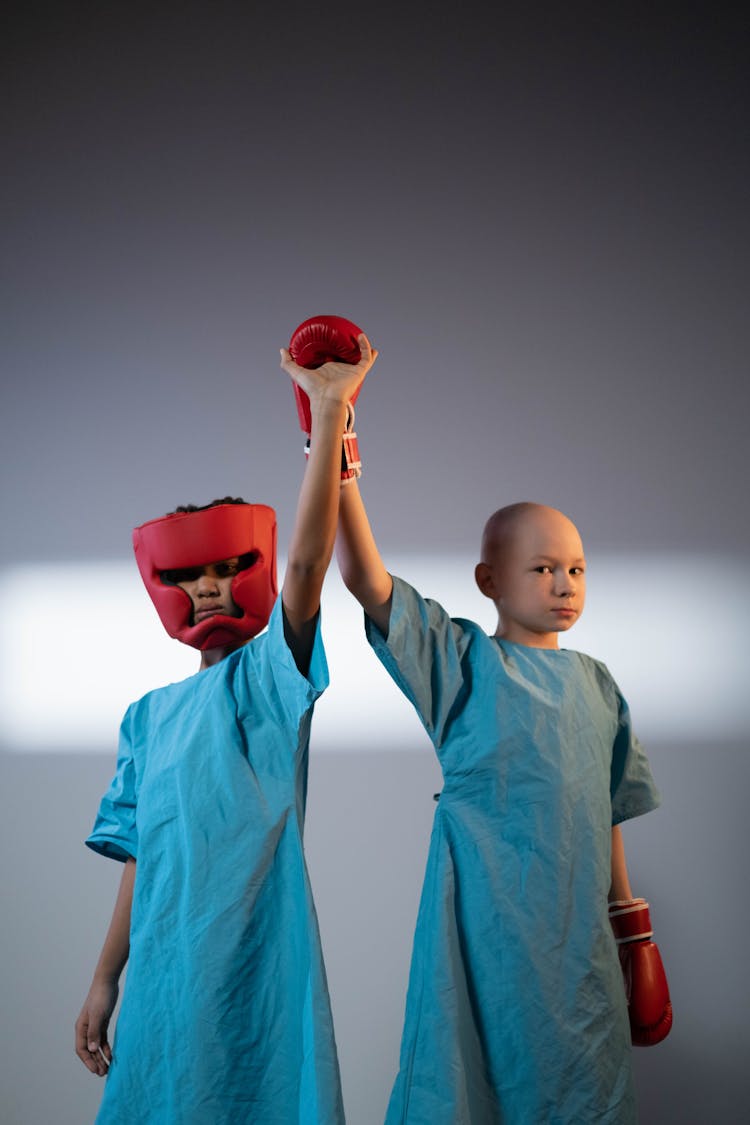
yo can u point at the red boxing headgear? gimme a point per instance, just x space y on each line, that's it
193 539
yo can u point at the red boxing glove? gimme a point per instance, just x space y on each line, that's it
646 988
316 341
324 338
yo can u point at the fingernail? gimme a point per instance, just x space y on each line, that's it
93 1047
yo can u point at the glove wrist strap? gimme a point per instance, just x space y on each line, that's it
630 920
351 463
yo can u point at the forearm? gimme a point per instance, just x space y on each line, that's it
92 1043
329 389
361 566
620 889
116 948
312 540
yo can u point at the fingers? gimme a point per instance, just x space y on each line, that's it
336 379
365 349
300 375
287 363
92 1047
82 1033
368 353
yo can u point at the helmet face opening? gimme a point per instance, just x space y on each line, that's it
192 573
185 542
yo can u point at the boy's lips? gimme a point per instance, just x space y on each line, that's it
201 614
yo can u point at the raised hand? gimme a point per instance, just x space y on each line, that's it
335 380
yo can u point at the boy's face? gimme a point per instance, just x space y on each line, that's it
209 588
535 574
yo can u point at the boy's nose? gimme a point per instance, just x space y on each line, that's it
206 584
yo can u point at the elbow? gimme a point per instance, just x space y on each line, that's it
372 596
307 570
356 584
351 574
350 580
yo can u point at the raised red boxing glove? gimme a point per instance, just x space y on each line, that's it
649 1006
324 338
316 341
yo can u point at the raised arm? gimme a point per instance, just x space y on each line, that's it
329 389
359 560
92 1044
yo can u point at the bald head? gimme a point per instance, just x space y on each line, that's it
507 526
501 526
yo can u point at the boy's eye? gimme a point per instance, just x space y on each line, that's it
226 569
542 570
577 570
187 574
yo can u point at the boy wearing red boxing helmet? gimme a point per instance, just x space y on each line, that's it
225 1016
516 1011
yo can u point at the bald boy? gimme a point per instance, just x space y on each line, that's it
516 1010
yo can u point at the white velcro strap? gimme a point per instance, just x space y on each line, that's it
631 920
351 464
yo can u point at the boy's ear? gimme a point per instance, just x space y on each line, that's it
484 580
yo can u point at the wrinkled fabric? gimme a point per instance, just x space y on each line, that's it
516 1010
225 1017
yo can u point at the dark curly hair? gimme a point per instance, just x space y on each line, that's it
202 507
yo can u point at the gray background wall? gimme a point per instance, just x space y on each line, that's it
539 215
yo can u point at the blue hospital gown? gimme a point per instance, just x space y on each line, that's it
516 1010
225 1017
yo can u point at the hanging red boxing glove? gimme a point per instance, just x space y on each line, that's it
646 988
320 340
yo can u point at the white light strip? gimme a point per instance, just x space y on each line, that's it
79 642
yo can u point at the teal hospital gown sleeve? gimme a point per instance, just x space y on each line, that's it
428 656
632 786
115 833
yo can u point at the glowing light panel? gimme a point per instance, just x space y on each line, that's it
80 642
